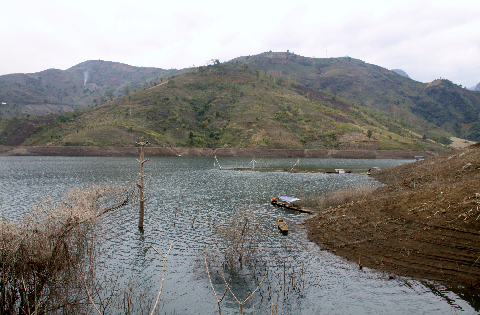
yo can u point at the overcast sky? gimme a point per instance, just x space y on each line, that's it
427 39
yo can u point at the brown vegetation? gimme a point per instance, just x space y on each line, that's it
338 197
424 223
237 241
47 258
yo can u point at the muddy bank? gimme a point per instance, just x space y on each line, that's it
221 152
424 223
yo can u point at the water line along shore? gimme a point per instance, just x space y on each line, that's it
221 152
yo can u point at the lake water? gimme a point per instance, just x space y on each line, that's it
189 199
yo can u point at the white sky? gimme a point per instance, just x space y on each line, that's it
427 39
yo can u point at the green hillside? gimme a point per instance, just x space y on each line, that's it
441 102
437 109
59 91
226 105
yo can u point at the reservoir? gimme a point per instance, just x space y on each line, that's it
189 200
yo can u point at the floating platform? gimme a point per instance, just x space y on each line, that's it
287 202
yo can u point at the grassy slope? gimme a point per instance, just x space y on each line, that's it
436 109
228 105
442 104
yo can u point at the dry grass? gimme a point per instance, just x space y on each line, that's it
338 197
238 240
46 257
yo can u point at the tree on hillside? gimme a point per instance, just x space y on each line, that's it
212 62
126 90
369 134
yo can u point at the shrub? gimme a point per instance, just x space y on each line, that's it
49 257
238 239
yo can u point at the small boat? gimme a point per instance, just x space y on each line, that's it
282 226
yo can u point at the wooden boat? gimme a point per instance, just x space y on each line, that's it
282 226
287 202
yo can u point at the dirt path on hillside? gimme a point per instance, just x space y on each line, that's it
425 223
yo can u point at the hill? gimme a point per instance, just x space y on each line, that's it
440 102
60 91
423 223
401 72
421 106
222 105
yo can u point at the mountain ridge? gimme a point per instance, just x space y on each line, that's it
439 103
222 105
372 86
77 87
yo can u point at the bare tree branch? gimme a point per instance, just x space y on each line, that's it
46 256
163 274
240 307
89 296
211 284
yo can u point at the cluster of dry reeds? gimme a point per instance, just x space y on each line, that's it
47 258
237 266
238 240
338 197
237 255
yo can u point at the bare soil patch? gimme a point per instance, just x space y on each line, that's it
459 143
424 223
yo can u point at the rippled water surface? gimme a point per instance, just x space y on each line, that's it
189 198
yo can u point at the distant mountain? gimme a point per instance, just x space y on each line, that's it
60 91
477 88
441 102
401 72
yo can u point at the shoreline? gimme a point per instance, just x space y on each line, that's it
423 223
221 152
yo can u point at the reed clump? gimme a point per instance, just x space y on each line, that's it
48 257
339 197
238 240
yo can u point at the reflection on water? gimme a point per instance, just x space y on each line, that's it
189 199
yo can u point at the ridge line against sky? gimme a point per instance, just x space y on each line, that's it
426 39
